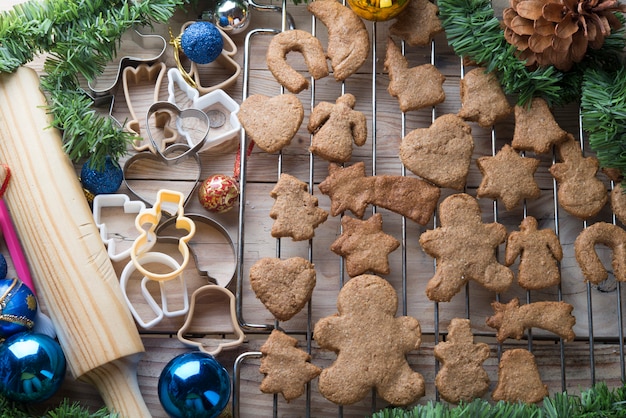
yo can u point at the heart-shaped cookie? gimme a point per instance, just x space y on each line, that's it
271 122
283 286
440 153
146 173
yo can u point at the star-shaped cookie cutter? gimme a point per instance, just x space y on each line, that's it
133 47
147 222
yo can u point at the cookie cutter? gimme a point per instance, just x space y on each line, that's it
154 75
194 76
158 163
109 201
197 295
147 222
133 46
220 108
201 219
159 311
195 142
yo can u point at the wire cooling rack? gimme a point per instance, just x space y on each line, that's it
573 366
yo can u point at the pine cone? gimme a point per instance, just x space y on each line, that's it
558 32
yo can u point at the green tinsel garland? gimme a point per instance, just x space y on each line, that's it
79 38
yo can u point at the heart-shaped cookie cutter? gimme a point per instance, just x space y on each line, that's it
159 311
191 316
225 60
201 219
147 222
101 201
220 108
133 47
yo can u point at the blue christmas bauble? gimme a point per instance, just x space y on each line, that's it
3 267
202 42
106 180
194 385
32 367
18 307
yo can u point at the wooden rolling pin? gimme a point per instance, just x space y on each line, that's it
70 266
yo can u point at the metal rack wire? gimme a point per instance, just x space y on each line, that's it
404 237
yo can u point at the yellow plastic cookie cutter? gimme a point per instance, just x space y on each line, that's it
147 222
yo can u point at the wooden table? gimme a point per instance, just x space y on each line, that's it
570 366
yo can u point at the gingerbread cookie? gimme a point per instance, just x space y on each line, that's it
364 245
509 177
350 189
580 192
607 234
540 253
511 319
535 128
418 23
465 248
482 98
271 122
518 378
283 286
335 127
462 376
415 87
296 212
300 41
287 368
618 202
348 40
440 153
371 345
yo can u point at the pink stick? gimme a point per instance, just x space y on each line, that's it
15 248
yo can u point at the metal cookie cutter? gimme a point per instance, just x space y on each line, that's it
193 124
159 311
133 46
164 231
114 200
196 311
220 108
147 222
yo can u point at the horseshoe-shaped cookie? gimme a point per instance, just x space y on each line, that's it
300 41
584 249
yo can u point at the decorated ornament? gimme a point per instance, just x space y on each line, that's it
218 193
378 10
32 367
194 385
230 15
107 180
202 42
18 307
3 267
557 32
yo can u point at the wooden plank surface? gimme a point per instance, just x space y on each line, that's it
380 155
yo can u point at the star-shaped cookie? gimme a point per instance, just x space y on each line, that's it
508 176
348 188
364 245
418 23
286 367
535 128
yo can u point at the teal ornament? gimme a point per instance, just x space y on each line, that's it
194 385
202 42
18 307
32 367
104 181
3 267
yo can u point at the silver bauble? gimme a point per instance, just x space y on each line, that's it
232 16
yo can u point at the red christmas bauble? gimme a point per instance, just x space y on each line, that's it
218 193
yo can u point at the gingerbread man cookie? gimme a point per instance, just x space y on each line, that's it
465 248
335 127
371 345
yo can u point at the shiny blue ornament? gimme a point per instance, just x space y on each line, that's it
32 367
107 180
18 307
202 42
3 267
194 385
